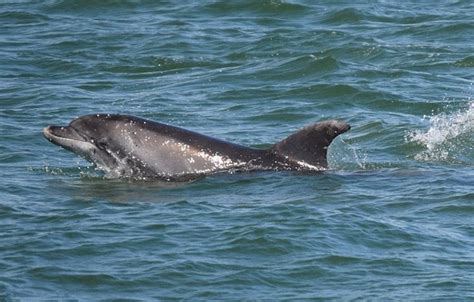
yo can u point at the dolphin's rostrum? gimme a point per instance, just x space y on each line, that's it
128 146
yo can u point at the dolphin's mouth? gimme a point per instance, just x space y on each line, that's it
68 138
56 134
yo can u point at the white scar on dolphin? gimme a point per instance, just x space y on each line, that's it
128 146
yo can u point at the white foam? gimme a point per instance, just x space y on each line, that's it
447 135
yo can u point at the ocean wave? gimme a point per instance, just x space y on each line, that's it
150 65
22 17
346 15
465 62
304 66
266 6
90 5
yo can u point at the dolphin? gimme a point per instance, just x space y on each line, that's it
133 147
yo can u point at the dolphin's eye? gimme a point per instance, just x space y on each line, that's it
102 145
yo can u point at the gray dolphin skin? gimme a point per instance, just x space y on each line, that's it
128 146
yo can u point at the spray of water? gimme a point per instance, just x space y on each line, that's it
449 137
343 155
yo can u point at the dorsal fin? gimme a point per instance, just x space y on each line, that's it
309 145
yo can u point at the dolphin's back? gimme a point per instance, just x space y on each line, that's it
172 152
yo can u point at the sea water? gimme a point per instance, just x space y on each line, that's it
393 219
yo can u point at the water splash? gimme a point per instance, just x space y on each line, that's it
449 137
343 155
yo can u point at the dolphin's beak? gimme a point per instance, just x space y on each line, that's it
48 133
53 133
78 142
66 137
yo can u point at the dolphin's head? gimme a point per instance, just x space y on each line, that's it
105 140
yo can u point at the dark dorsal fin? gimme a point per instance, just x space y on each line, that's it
309 145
